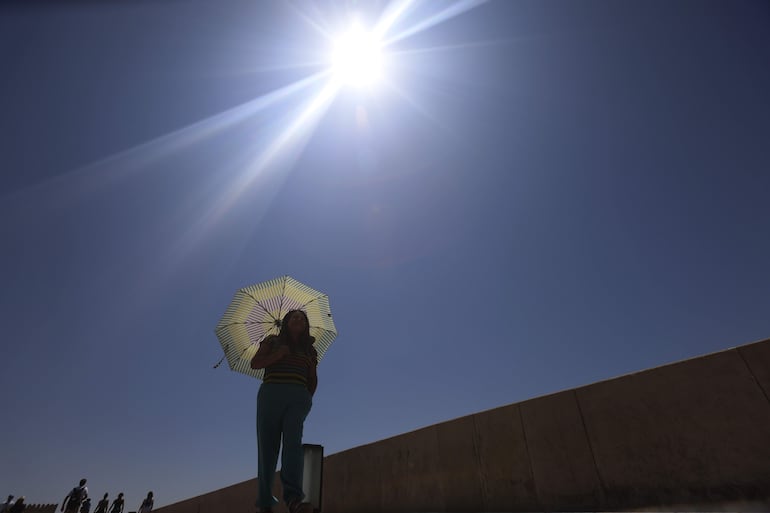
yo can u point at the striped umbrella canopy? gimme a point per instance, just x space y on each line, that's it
256 312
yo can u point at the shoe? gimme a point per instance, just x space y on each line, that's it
296 506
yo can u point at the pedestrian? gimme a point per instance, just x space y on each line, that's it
103 504
75 498
283 402
4 507
18 506
147 504
117 504
86 506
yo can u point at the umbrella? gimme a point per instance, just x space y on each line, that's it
256 312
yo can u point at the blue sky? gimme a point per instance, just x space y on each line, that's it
541 195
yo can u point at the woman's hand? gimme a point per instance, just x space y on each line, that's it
267 354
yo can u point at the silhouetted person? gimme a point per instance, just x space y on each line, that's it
147 504
86 506
283 402
117 504
4 507
103 504
75 498
18 506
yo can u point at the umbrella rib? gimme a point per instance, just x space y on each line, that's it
283 296
259 304
314 299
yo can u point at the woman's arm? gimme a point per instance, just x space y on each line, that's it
312 381
265 356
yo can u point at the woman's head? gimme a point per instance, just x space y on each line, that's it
106 495
295 325
120 495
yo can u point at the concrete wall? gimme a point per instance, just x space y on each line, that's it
690 435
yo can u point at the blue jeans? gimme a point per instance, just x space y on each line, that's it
281 411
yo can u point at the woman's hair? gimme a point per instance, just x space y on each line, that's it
306 341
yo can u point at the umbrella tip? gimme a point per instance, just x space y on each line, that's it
220 362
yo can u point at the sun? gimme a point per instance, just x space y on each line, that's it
357 58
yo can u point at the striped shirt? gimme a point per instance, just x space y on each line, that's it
294 368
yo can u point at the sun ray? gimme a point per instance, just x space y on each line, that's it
450 48
323 31
286 147
292 66
414 104
308 119
450 12
392 13
94 177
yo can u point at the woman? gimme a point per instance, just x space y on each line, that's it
147 504
117 504
283 402
103 504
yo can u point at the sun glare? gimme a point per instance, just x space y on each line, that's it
356 58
